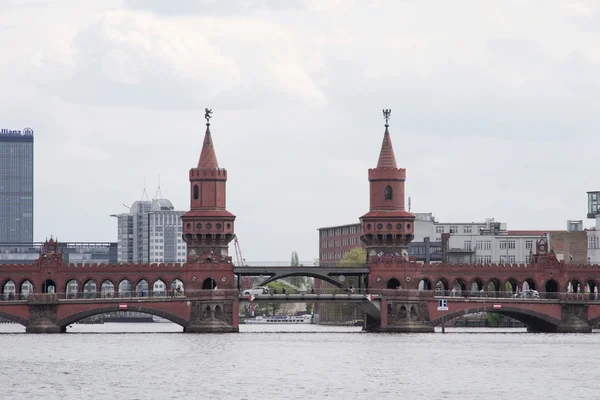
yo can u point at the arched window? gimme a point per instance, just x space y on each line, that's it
388 192
196 194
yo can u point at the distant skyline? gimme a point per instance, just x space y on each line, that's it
494 109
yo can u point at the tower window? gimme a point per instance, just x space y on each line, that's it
388 192
196 194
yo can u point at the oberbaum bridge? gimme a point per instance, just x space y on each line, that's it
49 295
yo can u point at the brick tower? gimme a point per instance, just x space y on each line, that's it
207 226
387 228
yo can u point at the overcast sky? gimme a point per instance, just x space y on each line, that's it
495 108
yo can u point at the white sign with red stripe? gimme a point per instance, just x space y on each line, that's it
122 306
497 306
370 297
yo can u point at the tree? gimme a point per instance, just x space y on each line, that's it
295 260
357 257
298 281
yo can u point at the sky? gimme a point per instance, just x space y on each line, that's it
495 109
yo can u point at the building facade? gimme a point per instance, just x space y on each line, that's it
151 233
73 252
593 234
16 186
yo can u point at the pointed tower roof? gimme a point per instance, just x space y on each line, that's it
387 159
208 157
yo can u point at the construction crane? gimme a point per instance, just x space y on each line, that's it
238 253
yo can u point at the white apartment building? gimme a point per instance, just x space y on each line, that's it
593 234
151 232
492 248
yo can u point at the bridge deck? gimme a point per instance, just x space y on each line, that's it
270 271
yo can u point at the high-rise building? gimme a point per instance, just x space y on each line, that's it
16 186
151 232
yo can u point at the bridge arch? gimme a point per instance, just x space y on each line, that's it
125 288
551 286
393 283
72 287
68 320
142 287
90 288
25 288
8 287
441 285
159 287
424 284
325 278
14 318
476 285
494 285
209 284
510 285
592 285
535 320
529 284
107 288
459 285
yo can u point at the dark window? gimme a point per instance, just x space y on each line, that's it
189 226
208 226
388 193
389 226
219 226
199 226
399 226
407 226
379 226
196 192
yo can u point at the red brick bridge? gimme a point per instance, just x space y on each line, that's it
202 294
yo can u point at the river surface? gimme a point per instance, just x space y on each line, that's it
126 361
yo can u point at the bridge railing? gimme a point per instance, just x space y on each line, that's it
44 297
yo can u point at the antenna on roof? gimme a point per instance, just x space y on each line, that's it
158 192
144 194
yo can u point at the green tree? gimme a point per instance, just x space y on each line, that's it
275 287
299 281
357 257
295 260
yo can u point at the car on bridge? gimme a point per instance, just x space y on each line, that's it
256 290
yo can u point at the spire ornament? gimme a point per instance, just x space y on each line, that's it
207 115
386 116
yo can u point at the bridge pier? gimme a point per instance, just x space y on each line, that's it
574 318
402 316
213 316
42 319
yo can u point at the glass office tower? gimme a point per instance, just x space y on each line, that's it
16 186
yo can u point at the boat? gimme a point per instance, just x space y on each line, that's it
281 319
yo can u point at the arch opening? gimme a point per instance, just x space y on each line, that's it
48 286
177 288
393 283
71 289
511 285
125 288
26 289
528 284
209 284
574 286
89 289
441 287
159 288
425 284
9 290
476 285
550 288
71 319
141 289
389 193
196 192
107 289
591 287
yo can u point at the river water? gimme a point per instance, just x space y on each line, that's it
125 361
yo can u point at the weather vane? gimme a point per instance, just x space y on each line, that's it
386 116
207 116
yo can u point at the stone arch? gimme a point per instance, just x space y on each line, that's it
493 285
575 285
388 192
177 286
8 289
49 286
159 287
402 312
142 288
551 286
325 278
393 283
207 313
14 318
459 285
511 285
424 284
476 285
107 288
591 286
209 284
25 289
68 320
441 287
413 312
90 288
125 288
536 321
71 288
529 284
218 312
